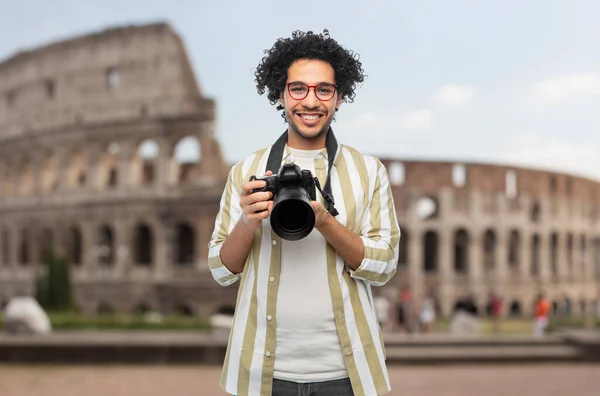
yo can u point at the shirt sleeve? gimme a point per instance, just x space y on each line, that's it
380 234
228 215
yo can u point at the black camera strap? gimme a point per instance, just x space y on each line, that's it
276 155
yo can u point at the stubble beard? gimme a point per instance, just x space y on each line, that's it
304 136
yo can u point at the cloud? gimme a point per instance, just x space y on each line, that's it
454 95
533 150
417 119
562 89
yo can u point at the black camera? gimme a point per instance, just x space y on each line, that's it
292 217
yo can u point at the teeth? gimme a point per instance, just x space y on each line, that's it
310 117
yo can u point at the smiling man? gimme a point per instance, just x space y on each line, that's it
305 322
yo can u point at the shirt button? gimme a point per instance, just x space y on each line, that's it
268 353
272 279
269 317
274 242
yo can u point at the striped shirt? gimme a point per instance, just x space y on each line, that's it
363 198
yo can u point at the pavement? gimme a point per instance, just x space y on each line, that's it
537 380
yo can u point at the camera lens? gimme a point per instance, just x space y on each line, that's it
292 217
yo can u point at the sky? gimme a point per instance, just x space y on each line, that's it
511 82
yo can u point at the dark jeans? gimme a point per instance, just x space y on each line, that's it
327 388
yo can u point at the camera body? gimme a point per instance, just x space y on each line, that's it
292 217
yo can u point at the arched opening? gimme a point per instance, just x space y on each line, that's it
489 249
185 244
514 249
430 251
461 251
187 155
26 179
106 246
459 175
49 173
145 163
143 245
535 255
109 166
142 309
24 248
77 169
46 245
403 250
554 253
427 208
6 244
570 252
397 173
105 308
515 309
535 214
226 310
184 310
75 246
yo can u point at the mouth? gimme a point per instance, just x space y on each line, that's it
310 118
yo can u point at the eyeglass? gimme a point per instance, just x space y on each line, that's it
299 90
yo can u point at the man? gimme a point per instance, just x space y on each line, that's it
305 321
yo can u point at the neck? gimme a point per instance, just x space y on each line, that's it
298 142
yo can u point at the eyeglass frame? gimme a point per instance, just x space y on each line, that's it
314 87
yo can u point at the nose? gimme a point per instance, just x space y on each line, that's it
311 101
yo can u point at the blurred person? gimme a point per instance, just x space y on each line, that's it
427 317
304 316
541 315
496 312
382 309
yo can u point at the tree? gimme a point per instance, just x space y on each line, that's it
54 289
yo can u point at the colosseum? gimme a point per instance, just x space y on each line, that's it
108 154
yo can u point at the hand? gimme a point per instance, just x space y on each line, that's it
321 214
256 206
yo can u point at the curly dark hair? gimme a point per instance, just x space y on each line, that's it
271 73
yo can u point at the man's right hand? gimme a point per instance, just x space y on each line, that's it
255 206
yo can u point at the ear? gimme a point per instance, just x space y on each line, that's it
281 99
338 102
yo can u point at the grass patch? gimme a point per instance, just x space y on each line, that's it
73 321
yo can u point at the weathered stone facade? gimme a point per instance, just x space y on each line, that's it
92 135
107 152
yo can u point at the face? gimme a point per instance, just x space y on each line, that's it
309 118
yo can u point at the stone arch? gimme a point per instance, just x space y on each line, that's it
187 154
26 177
106 245
489 249
109 166
430 251
514 249
554 253
185 248
144 244
427 208
535 254
403 254
75 246
515 310
49 172
461 251
24 251
145 162
76 175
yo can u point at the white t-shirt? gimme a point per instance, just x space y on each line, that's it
308 346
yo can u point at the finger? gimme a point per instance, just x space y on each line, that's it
257 207
256 197
248 187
